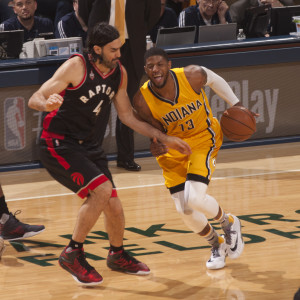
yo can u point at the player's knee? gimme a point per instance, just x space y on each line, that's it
101 194
114 208
180 204
197 199
196 202
195 193
179 207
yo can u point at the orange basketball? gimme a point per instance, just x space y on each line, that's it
237 123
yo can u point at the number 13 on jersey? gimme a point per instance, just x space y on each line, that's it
188 125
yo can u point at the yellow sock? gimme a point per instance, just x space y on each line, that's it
230 219
220 239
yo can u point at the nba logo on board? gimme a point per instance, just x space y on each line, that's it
14 123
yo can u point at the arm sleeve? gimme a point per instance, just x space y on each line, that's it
220 87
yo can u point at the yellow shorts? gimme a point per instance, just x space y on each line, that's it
198 166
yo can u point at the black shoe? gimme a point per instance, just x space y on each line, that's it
12 229
129 165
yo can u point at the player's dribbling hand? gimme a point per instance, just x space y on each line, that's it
253 113
157 148
54 102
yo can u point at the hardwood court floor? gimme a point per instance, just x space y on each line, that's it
261 185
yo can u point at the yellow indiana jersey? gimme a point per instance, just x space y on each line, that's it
188 115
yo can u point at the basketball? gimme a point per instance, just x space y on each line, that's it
237 123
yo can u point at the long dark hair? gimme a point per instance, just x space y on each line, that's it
100 35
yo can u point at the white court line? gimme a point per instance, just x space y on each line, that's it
160 184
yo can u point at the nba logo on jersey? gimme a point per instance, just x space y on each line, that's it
14 123
92 75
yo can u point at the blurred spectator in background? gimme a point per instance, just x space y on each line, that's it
207 12
6 10
167 19
237 9
176 5
179 5
138 18
54 9
26 20
71 25
190 3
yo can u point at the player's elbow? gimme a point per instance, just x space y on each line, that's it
30 103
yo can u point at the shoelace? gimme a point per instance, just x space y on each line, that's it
17 212
215 251
83 262
228 232
128 258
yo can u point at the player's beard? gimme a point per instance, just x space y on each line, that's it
107 63
162 84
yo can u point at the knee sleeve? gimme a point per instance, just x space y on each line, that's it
194 220
197 199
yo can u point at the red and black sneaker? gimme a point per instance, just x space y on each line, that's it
74 261
121 261
12 229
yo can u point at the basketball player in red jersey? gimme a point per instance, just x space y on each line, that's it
173 101
77 102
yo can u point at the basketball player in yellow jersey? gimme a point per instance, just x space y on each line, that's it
173 101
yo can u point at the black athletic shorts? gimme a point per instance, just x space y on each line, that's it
78 166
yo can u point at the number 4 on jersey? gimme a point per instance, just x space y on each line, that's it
98 108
